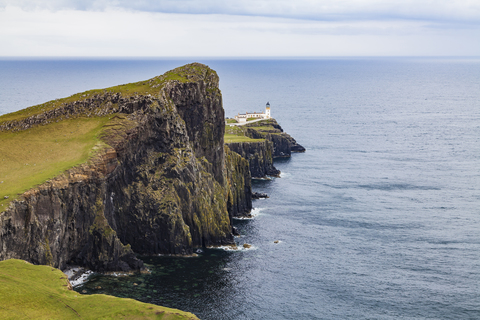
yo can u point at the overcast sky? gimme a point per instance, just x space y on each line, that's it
239 28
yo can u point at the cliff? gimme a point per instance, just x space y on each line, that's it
154 176
270 130
239 184
259 155
259 143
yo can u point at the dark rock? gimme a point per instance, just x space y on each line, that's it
239 182
166 185
235 231
259 195
283 143
259 156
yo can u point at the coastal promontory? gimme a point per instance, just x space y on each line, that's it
145 168
103 175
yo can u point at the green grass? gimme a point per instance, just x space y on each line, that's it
235 130
188 73
234 138
31 157
237 134
41 292
264 128
231 121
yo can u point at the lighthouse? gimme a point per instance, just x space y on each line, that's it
267 111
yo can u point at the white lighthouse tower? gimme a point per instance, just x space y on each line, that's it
267 111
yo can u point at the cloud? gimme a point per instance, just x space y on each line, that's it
320 10
115 32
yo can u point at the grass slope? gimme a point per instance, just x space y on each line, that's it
30 157
229 138
188 73
41 292
237 134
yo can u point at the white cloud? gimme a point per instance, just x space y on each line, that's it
122 32
444 10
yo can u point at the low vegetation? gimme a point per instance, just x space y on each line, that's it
43 292
240 133
31 157
229 138
237 134
146 87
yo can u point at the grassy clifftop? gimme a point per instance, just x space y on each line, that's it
43 292
30 157
251 132
189 73
41 142
238 134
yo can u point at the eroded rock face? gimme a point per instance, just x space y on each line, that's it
165 185
239 184
283 143
259 156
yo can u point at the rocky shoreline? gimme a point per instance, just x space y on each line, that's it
164 182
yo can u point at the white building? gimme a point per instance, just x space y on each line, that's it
257 115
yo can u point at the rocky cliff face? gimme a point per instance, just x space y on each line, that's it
283 143
259 156
163 183
271 142
239 184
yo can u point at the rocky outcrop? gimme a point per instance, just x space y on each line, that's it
283 143
239 184
164 183
259 156
92 105
270 142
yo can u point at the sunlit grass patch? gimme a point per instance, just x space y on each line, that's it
30 157
146 87
41 292
235 138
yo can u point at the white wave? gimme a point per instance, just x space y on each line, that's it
238 247
226 248
193 255
252 247
285 175
79 279
253 214
257 212
119 274
244 218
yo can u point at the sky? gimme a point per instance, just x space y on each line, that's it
239 28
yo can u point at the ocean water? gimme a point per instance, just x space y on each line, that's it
379 219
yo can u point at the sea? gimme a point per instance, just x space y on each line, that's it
378 219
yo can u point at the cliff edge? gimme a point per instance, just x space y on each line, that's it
260 142
137 168
42 292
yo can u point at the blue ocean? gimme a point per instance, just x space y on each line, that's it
378 219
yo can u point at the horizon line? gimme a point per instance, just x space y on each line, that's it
230 57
